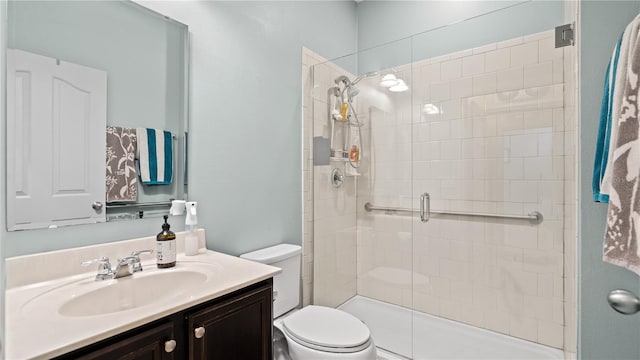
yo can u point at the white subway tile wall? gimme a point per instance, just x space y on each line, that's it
499 137
329 261
497 144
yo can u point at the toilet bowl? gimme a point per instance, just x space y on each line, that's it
313 332
318 332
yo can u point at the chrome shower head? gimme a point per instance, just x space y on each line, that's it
352 91
350 86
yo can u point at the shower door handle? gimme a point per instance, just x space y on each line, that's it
425 207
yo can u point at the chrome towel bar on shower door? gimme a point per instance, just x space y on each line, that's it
534 216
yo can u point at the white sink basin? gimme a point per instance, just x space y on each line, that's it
94 298
58 314
130 292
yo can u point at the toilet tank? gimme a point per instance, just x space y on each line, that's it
286 285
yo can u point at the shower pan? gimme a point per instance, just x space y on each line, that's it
454 218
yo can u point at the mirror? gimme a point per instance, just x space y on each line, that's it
89 81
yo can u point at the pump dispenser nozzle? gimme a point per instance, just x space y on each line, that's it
192 216
191 241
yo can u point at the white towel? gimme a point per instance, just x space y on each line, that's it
155 156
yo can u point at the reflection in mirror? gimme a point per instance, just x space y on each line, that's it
96 112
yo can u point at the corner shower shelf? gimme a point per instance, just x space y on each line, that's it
350 123
339 155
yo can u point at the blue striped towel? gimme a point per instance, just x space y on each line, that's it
604 131
155 156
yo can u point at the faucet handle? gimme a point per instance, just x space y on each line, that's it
136 265
104 269
141 252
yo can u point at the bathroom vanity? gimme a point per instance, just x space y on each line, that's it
234 326
208 306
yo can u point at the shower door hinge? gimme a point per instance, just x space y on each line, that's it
564 35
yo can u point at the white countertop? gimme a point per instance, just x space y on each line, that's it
42 333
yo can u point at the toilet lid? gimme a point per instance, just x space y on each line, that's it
326 328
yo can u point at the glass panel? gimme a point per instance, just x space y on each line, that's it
480 124
489 139
362 259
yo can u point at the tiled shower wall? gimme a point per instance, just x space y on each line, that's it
329 251
501 142
496 144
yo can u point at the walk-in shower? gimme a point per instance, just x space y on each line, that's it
481 126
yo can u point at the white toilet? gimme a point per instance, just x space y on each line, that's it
313 332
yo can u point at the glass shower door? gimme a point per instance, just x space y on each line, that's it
472 128
489 133
363 209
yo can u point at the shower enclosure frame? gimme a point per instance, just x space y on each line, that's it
411 203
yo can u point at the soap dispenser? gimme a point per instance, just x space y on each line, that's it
191 220
166 246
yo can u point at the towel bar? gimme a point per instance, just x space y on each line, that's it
535 216
136 205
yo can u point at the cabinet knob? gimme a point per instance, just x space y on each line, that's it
169 346
199 332
96 205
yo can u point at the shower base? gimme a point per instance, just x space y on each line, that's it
437 338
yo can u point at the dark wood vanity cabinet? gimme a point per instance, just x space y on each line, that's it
149 344
238 328
234 326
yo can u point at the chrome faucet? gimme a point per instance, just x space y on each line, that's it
125 266
104 268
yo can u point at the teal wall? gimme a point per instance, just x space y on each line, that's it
485 22
245 123
604 334
380 22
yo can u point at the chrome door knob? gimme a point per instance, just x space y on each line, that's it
169 346
199 332
624 301
97 205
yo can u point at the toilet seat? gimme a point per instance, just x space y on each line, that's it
326 329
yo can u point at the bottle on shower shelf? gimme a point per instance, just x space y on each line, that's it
343 110
354 154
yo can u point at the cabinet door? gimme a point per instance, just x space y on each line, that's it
151 344
238 328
